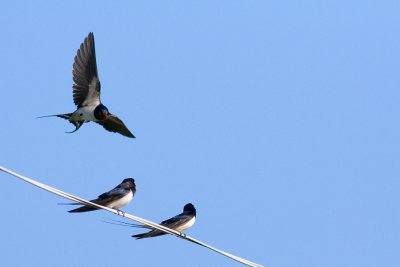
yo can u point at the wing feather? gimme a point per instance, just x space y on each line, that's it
176 221
116 192
86 88
113 124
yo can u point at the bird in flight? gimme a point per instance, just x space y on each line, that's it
86 93
179 222
116 198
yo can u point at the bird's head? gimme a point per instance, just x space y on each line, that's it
130 182
189 208
101 112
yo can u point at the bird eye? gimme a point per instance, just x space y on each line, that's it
81 114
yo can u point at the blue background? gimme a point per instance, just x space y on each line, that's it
278 120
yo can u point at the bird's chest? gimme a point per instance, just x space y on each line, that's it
84 114
122 201
186 225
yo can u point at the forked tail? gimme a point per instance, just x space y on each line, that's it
66 116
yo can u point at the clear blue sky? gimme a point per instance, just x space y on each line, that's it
278 120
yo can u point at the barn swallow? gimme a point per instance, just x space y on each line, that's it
86 93
116 198
179 222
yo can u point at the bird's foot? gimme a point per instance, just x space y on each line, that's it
182 235
121 213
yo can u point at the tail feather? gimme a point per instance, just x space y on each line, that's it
83 209
66 116
139 236
152 233
121 223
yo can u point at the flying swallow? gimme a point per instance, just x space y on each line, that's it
116 198
179 222
86 93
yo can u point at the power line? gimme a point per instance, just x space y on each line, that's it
148 223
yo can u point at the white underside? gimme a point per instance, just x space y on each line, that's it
122 201
84 114
186 225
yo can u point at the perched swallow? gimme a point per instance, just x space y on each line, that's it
118 197
179 222
86 93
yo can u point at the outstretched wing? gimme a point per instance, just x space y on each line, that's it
113 124
86 88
